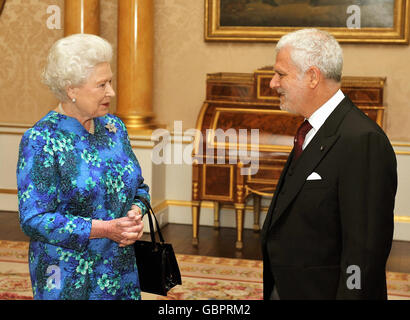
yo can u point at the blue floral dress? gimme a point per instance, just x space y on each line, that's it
66 177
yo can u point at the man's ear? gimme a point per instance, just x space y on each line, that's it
314 76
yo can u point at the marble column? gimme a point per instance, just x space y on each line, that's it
135 65
81 16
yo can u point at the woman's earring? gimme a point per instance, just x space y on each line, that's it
73 100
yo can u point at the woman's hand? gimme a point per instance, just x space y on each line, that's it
135 215
125 231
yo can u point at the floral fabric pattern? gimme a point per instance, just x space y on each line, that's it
66 178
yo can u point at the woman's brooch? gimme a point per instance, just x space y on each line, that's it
111 127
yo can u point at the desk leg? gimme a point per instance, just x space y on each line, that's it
239 226
256 212
216 215
195 223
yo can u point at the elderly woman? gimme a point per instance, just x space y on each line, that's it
79 182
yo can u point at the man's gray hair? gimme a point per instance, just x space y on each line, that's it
313 47
71 60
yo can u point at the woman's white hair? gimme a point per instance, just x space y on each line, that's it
313 47
71 60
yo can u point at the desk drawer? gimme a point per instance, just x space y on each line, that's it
217 182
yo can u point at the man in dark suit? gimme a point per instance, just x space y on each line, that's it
329 228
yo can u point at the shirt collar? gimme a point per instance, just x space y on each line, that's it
320 115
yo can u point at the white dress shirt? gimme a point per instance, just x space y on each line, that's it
319 117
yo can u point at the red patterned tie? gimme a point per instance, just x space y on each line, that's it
300 138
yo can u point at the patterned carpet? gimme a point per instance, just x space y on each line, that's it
203 278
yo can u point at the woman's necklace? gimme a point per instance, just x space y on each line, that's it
61 110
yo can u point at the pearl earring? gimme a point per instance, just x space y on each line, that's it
73 100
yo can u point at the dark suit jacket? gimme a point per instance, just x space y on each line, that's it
315 230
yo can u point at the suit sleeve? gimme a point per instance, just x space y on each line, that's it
367 189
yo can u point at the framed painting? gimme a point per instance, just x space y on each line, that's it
350 21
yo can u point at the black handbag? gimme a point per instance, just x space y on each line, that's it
157 265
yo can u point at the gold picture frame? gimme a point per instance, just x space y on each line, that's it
392 29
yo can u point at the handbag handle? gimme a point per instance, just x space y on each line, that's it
151 225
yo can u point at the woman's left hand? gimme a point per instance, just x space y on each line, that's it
135 215
135 209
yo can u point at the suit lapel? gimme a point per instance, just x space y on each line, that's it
268 218
320 145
